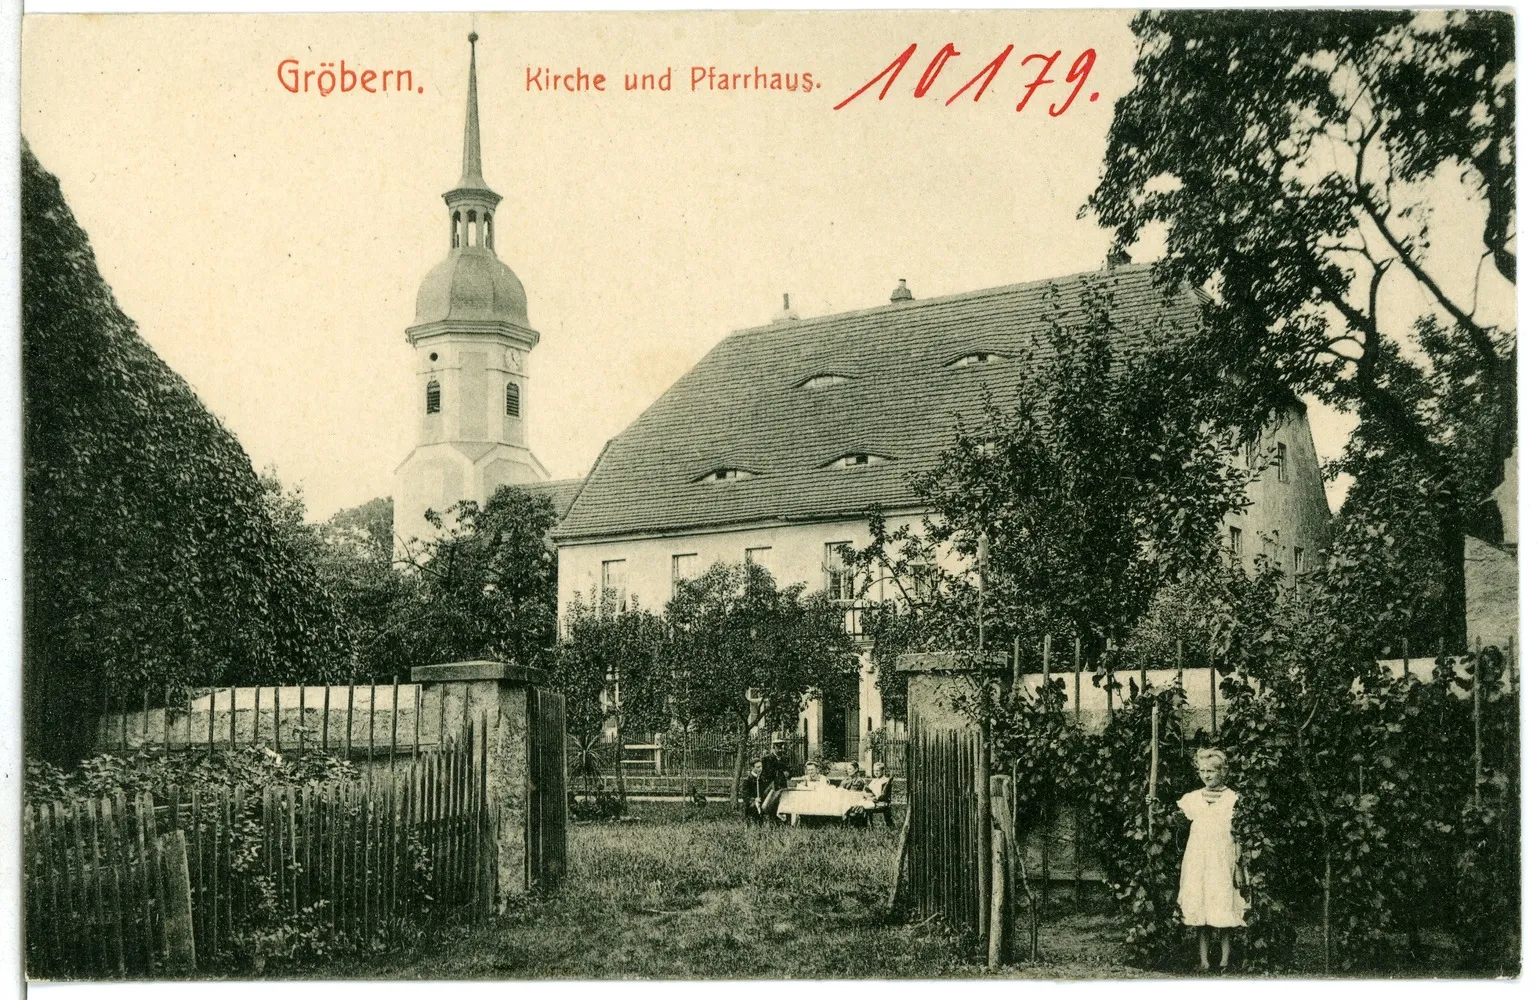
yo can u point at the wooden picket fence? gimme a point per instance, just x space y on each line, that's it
940 877
146 885
356 721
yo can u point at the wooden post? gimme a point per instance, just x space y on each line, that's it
144 721
981 771
1014 678
1110 680
416 739
1212 677
1404 651
1046 659
301 718
232 718
1180 662
165 724
351 687
1479 696
212 692
895 893
395 704
277 718
1000 912
1153 769
325 720
256 715
1142 672
1078 651
373 700
181 949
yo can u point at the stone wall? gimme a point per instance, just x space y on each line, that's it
1491 595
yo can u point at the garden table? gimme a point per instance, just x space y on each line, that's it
821 800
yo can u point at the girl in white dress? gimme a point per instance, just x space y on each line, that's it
1210 873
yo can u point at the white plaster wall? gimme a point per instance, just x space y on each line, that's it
1290 515
796 556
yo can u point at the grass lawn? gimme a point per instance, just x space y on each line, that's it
685 893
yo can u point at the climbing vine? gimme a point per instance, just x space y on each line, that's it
1357 817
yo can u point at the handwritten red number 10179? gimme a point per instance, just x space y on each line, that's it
1043 63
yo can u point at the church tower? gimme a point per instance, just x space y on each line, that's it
472 337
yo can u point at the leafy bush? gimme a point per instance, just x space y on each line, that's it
148 771
1356 807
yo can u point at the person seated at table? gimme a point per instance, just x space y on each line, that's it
757 794
775 770
813 778
880 789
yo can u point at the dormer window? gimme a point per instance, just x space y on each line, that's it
974 358
855 460
823 380
434 397
724 476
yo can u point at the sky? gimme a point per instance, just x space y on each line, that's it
270 244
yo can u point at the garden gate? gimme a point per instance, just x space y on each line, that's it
547 787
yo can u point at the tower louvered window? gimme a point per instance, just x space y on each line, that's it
514 400
434 398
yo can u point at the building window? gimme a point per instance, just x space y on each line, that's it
856 460
434 398
615 582
758 556
923 582
823 381
974 358
454 232
514 400
725 476
1297 559
838 575
1281 463
1236 542
684 568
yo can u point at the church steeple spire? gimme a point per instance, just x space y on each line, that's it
470 176
472 200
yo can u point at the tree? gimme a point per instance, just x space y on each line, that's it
378 602
1105 481
745 653
485 584
152 556
609 667
1298 163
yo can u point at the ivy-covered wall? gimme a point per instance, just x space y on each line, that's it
151 558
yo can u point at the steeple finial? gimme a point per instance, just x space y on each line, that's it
470 176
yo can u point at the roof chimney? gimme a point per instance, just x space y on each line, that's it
785 315
1116 257
901 293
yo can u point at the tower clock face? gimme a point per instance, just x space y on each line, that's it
514 360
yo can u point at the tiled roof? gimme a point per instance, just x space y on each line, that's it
560 491
742 407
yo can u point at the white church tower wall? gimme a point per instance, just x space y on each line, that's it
472 338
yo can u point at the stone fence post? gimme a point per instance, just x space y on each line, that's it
500 694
